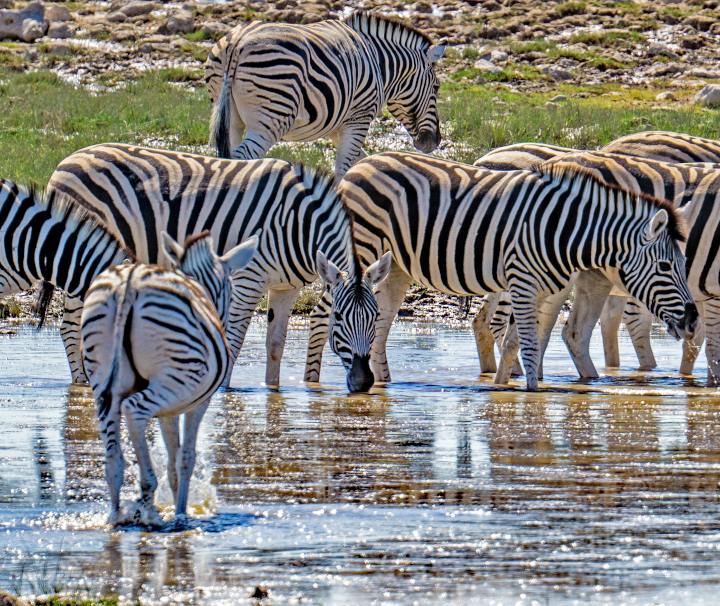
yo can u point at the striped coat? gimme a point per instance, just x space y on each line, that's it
155 346
330 79
139 192
468 231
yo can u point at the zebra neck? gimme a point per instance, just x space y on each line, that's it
393 64
69 254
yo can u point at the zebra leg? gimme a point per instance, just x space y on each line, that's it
691 348
498 325
186 462
711 318
170 427
114 462
591 290
484 339
70 333
319 321
638 321
280 304
349 142
508 353
255 144
610 320
246 294
134 409
526 304
548 314
390 294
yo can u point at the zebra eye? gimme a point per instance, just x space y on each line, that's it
665 266
337 316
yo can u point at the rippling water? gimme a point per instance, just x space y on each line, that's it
437 489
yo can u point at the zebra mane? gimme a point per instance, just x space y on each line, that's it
388 28
194 238
676 223
323 182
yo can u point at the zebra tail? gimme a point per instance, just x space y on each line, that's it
220 121
123 309
42 302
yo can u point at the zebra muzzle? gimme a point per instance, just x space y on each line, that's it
360 377
427 141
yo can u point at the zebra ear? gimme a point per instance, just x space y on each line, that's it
657 224
327 270
435 53
239 257
379 270
172 250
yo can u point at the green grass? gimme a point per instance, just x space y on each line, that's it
570 8
162 109
593 59
609 38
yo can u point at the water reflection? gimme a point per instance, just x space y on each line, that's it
427 491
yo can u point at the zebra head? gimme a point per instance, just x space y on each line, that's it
415 102
353 315
197 259
655 274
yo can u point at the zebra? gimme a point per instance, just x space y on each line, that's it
691 186
330 79
468 231
306 232
154 346
45 237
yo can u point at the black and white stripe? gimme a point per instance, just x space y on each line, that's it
330 79
154 346
468 231
139 192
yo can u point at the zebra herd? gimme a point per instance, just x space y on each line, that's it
155 326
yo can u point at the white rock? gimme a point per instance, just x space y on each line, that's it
487 67
665 96
27 24
709 96
138 7
498 56
556 73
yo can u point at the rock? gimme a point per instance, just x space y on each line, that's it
665 96
57 12
214 29
116 17
59 50
60 30
558 98
498 55
692 42
138 7
487 67
660 50
7 599
702 72
556 73
179 23
701 23
551 105
665 69
27 24
709 96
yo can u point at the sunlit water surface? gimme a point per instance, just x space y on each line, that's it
436 489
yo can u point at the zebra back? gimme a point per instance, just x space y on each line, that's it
667 147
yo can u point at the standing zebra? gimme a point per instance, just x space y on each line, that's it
154 346
694 187
468 231
306 232
329 79
47 237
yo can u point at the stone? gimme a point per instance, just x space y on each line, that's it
60 30
214 29
692 42
138 7
179 23
486 66
59 50
660 50
702 23
709 96
665 69
665 96
27 24
558 98
116 17
498 55
57 12
556 73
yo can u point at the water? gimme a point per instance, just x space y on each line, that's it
435 490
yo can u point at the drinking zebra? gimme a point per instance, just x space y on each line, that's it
306 232
154 346
468 231
695 187
47 237
329 79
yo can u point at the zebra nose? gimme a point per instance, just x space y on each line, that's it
360 378
427 141
691 318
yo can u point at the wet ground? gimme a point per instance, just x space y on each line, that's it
434 490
